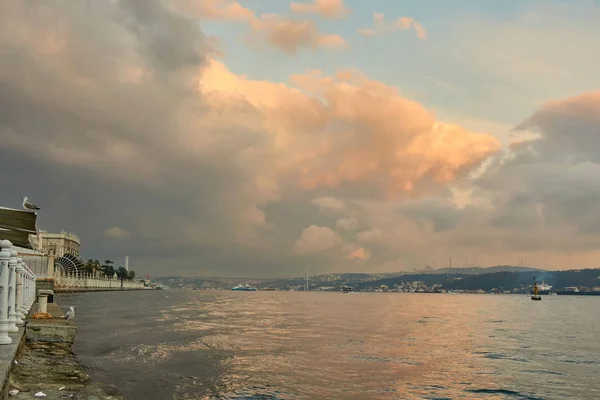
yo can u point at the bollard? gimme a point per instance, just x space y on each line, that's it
43 300
19 292
12 315
5 246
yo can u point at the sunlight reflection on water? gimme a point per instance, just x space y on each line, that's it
294 345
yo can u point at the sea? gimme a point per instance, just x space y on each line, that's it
177 344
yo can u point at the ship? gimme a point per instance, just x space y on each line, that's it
568 291
543 288
574 291
244 288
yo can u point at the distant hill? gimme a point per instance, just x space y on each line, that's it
504 280
475 270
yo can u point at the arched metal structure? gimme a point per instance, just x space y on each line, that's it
68 264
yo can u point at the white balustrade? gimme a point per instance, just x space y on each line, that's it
19 292
28 291
71 280
5 246
12 299
18 288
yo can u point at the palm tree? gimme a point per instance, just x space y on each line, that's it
96 266
121 274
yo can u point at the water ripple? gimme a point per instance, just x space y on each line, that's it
280 345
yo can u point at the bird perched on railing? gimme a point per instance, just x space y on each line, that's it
29 206
71 313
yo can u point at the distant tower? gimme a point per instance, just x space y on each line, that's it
127 263
306 284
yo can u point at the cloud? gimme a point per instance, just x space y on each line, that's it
316 239
286 34
214 9
568 129
347 129
116 233
290 35
329 204
120 112
347 224
371 236
326 8
400 24
359 254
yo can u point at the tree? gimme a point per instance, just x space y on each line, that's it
122 273
131 275
89 266
108 271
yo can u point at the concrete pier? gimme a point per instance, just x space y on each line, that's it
46 363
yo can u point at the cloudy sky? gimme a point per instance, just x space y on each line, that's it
249 138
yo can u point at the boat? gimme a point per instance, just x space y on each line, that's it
244 288
535 296
543 288
347 289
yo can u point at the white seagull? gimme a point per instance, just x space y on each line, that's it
71 313
28 206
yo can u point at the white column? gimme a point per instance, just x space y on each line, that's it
19 292
5 246
12 281
50 267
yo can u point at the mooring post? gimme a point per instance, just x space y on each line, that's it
43 300
5 246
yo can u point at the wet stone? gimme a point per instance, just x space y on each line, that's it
48 367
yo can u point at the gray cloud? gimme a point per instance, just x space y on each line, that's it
103 125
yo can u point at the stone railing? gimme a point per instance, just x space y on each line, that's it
91 281
17 291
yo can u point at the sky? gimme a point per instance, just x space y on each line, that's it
251 138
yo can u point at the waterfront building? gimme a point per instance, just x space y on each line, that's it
58 244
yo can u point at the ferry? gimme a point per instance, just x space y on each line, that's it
347 289
244 288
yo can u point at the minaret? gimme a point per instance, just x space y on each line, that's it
127 263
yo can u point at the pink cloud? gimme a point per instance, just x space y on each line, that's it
289 35
359 254
316 239
347 128
400 24
284 33
326 8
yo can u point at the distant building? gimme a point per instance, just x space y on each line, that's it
57 243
